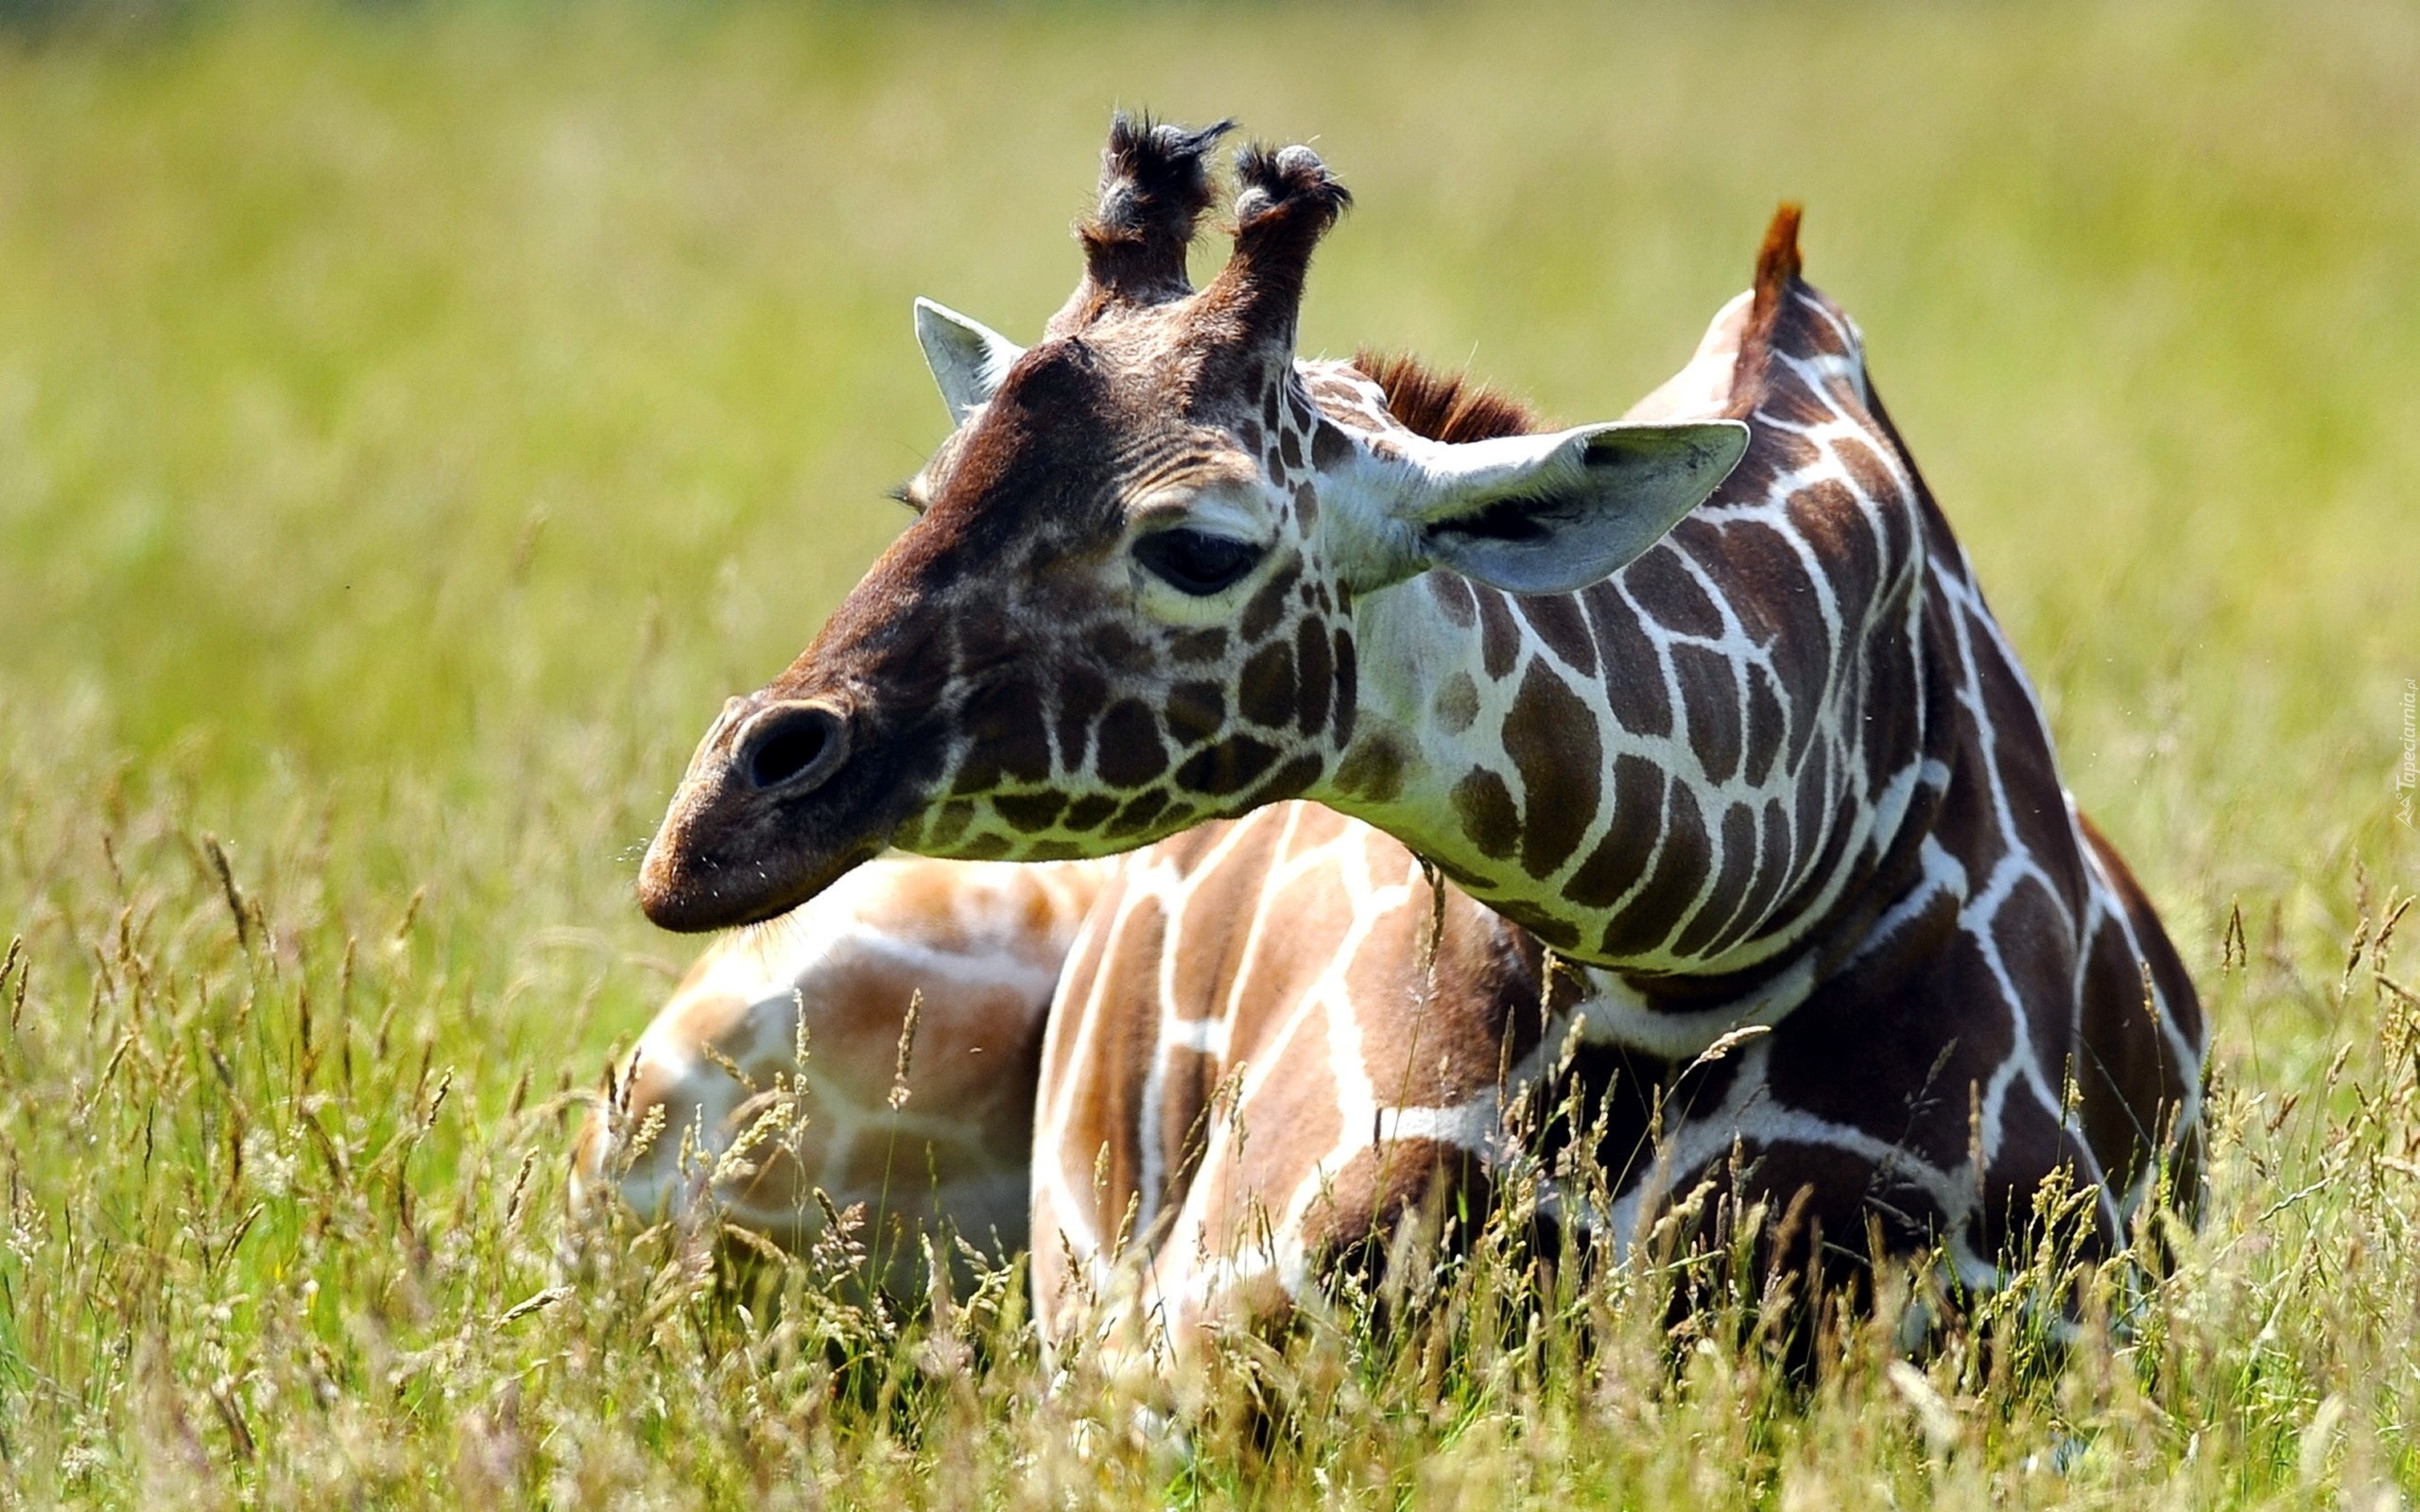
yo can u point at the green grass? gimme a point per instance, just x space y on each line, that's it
413 422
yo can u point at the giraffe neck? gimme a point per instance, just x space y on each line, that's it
1690 769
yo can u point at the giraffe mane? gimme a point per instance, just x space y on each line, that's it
1444 407
1777 274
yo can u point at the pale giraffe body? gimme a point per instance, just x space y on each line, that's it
1776 767
942 1140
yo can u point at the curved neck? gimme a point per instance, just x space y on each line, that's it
1682 771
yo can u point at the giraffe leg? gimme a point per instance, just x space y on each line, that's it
929 1129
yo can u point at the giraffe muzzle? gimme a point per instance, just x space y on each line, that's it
790 749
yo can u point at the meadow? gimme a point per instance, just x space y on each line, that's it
414 420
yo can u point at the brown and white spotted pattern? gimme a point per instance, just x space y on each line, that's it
1278 1036
934 1132
1706 701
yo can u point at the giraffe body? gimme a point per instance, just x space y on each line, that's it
978 948
1272 1040
1707 702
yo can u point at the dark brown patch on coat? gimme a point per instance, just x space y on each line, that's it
2037 943
1776 851
1730 884
1137 815
1788 450
986 848
1348 691
2038 810
1262 614
1633 677
1555 931
2127 1076
1967 823
1835 1193
1484 806
1768 730
1089 813
1867 470
1195 712
1118 648
1200 645
1329 448
1292 780
1680 870
1374 772
1318 676
1082 693
2031 1147
1453 594
1457 703
1552 737
1006 736
1671 594
1837 827
1129 752
1711 694
1030 812
1307 506
1230 767
1773 606
1830 521
1614 866
1561 623
1267 695
1499 633
949 821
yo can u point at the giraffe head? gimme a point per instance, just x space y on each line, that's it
1126 603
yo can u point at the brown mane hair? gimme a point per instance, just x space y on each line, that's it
1444 407
1776 272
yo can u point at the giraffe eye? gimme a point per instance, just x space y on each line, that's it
1196 561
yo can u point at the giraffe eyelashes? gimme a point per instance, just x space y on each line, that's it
1196 561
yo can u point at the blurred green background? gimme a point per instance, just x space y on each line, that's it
429 414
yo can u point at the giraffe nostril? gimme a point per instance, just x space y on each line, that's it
791 745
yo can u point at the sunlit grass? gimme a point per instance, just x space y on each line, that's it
414 421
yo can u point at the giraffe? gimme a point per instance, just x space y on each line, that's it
814 1000
802 1019
1707 702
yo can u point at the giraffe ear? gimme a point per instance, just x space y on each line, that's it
968 357
1552 514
